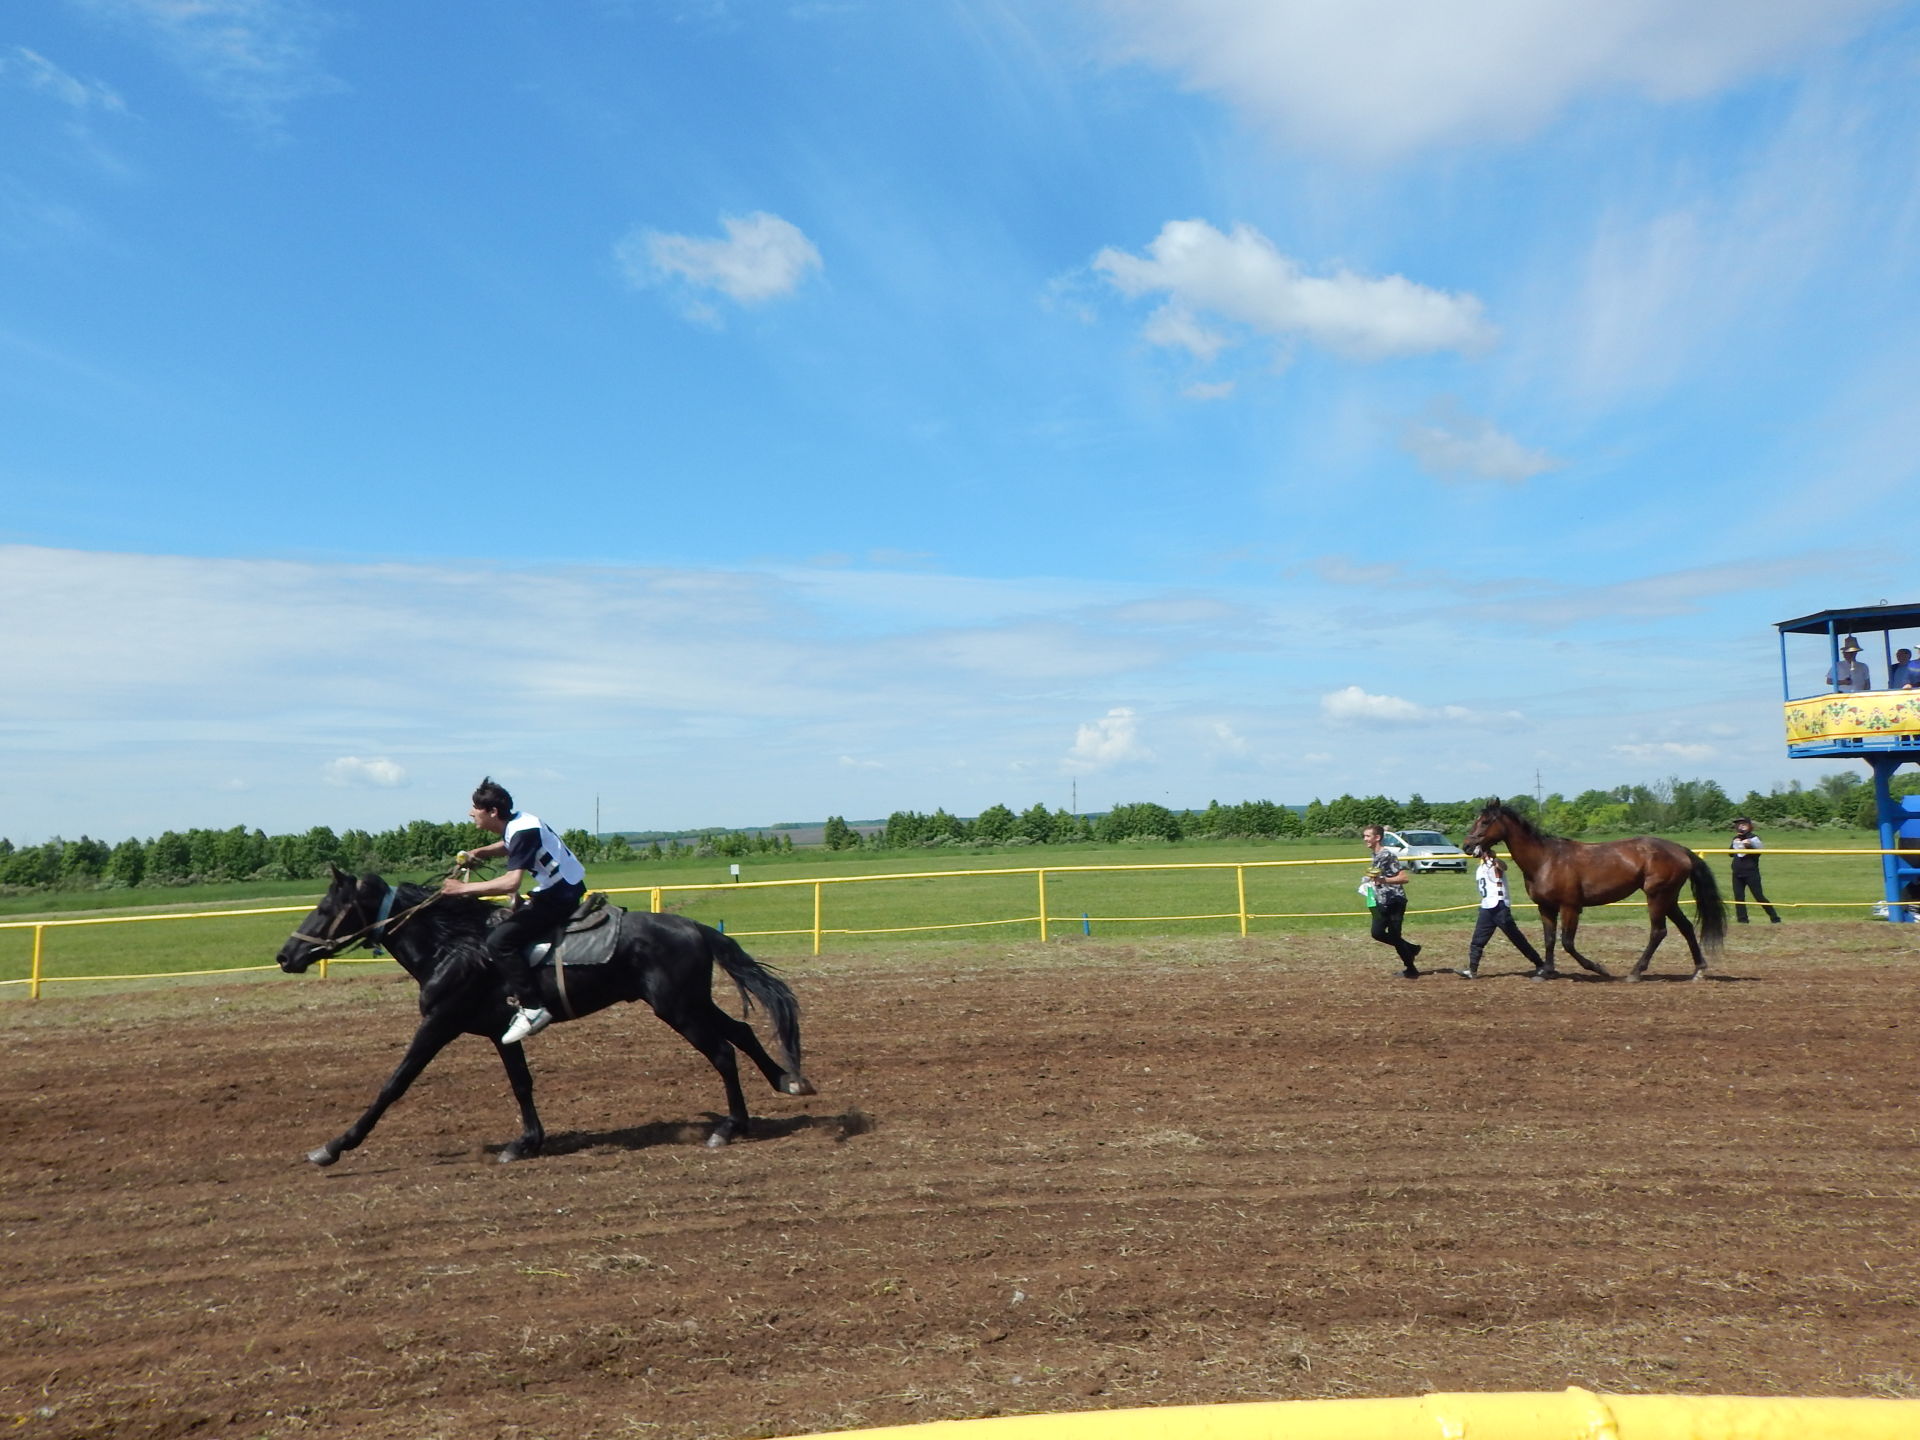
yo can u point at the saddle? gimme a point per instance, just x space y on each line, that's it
587 938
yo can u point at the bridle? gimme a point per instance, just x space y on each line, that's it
371 935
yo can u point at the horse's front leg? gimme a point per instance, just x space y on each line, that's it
428 1041
1569 927
1549 932
532 1133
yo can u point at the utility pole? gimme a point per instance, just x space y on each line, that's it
1539 796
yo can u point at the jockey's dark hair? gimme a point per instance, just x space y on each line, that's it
490 794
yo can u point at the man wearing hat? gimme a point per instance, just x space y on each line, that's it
1849 673
1746 871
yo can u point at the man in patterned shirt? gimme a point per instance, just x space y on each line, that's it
1389 881
559 880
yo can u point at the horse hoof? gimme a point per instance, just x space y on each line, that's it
322 1157
799 1085
1544 975
719 1139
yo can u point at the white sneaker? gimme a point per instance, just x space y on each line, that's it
530 1021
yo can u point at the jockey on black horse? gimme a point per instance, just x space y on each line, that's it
559 881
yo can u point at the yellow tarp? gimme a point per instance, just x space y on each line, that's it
1542 1415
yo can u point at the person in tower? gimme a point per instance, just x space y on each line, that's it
530 847
1851 672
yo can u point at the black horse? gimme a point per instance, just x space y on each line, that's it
665 960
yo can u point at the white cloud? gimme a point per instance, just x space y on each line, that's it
1241 278
1671 274
1114 739
139 685
1227 741
1383 78
352 770
1355 706
32 71
1545 604
1450 443
761 258
1174 326
1217 390
1666 750
254 56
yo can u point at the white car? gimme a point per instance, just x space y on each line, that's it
1424 850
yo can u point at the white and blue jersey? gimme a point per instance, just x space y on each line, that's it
533 847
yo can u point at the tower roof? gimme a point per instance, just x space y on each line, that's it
1860 617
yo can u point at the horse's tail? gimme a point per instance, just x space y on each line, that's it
1708 905
761 982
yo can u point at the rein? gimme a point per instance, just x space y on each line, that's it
336 944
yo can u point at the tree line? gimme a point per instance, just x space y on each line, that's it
198 857
1838 799
240 854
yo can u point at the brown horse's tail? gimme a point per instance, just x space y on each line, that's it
1708 905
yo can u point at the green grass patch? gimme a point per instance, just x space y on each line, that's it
1114 892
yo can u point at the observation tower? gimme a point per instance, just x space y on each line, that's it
1876 723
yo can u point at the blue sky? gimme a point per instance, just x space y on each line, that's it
740 411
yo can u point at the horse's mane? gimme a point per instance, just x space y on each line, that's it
1504 811
457 922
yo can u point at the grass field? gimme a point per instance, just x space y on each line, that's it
1187 889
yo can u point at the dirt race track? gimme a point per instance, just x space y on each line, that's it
1069 1177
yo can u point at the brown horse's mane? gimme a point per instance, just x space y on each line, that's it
1513 817
1526 827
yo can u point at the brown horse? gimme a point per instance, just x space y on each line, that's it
1565 876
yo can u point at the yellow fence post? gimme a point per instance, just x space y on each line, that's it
33 986
1043 903
656 900
817 887
1240 879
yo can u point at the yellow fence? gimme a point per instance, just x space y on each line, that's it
1045 923
1572 1414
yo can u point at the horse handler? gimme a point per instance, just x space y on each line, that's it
1387 878
559 880
1746 871
1495 914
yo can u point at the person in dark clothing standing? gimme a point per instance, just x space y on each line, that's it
559 880
1496 914
1746 871
1388 879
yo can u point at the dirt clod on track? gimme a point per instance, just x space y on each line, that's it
1035 1178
